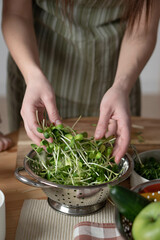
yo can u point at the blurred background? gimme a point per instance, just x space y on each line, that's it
150 83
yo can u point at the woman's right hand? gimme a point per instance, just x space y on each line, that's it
39 96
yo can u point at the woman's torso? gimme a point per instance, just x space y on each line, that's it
79 50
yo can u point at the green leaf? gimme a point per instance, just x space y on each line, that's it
46 135
69 136
34 146
44 143
79 137
109 151
39 149
98 155
40 130
59 127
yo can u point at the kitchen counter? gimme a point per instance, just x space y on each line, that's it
145 135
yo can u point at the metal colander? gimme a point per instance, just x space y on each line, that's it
73 200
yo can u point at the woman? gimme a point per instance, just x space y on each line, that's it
75 47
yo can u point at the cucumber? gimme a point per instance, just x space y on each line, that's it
128 202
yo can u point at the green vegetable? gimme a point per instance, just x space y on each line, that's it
40 130
79 137
98 155
109 151
150 169
147 223
36 148
46 135
69 136
129 203
85 134
74 159
44 143
60 126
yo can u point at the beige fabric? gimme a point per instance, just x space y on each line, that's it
38 221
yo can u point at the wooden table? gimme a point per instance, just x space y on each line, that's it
16 192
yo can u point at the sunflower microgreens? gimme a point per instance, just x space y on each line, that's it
73 158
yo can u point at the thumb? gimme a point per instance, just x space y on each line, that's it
102 125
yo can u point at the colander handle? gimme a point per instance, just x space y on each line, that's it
26 180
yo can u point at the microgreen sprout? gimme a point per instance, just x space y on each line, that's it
73 158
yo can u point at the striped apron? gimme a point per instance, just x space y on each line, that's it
79 49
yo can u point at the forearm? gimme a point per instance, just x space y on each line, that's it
21 41
134 55
136 49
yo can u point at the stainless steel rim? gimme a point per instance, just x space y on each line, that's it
141 186
52 184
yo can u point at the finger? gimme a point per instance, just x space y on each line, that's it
112 128
122 140
53 112
102 124
46 124
33 125
30 122
32 136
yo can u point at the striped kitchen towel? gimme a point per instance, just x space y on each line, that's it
96 231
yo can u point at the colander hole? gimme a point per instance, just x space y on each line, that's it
68 193
64 199
55 195
69 198
58 199
70 202
75 190
80 193
77 205
74 196
82 202
62 195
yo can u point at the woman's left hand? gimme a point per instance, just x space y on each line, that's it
114 119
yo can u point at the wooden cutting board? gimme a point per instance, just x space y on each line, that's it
145 134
